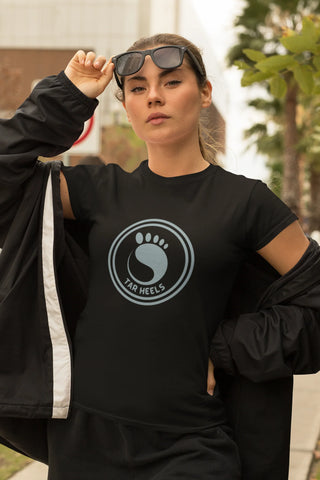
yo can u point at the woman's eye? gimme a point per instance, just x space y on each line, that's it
137 89
173 82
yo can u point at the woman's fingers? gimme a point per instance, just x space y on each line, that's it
87 61
99 62
211 381
80 57
90 57
90 73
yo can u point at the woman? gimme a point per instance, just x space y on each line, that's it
164 205
165 245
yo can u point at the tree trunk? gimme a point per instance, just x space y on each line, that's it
291 192
314 221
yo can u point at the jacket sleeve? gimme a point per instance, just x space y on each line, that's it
282 337
46 124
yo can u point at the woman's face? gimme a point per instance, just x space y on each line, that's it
164 106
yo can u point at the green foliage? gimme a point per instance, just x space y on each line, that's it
258 129
250 77
259 24
270 106
316 62
267 143
276 63
242 65
254 55
305 40
304 77
303 61
278 87
278 47
276 174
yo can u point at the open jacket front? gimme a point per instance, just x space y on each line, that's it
43 282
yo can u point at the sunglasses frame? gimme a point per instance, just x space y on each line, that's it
182 49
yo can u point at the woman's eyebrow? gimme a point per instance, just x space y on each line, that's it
137 77
168 71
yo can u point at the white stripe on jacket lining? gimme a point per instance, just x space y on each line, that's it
60 346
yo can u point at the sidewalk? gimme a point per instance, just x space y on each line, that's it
305 431
305 424
34 471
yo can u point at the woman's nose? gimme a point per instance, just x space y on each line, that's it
155 96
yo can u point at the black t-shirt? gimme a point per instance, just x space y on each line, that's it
164 253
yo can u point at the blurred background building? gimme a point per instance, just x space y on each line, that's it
38 37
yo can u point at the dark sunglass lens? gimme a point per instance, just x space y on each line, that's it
129 63
168 57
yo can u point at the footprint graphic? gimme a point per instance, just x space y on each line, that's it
151 253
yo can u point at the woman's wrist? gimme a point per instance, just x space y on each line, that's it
74 90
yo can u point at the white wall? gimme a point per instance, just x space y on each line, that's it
108 26
105 24
188 24
163 17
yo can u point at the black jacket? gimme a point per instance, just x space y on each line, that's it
272 332
43 282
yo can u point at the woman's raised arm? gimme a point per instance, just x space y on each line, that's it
91 75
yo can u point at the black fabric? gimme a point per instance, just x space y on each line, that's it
279 332
257 390
44 125
32 131
20 266
89 446
260 416
146 230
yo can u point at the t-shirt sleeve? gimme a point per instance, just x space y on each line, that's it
82 189
266 216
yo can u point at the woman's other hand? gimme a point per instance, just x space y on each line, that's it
89 73
211 381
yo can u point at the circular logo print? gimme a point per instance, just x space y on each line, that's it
151 261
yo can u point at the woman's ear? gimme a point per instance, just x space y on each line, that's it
206 95
124 106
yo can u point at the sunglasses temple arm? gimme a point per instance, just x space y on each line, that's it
195 61
117 80
115 73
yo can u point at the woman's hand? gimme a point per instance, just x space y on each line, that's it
211 381
89 73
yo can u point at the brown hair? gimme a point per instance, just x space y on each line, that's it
208 146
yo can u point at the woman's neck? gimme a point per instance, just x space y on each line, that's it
175 160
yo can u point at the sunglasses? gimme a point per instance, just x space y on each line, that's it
167 57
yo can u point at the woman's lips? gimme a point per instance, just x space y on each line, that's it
157 118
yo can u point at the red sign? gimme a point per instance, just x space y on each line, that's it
86 131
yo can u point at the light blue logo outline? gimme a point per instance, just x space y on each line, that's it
179 284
